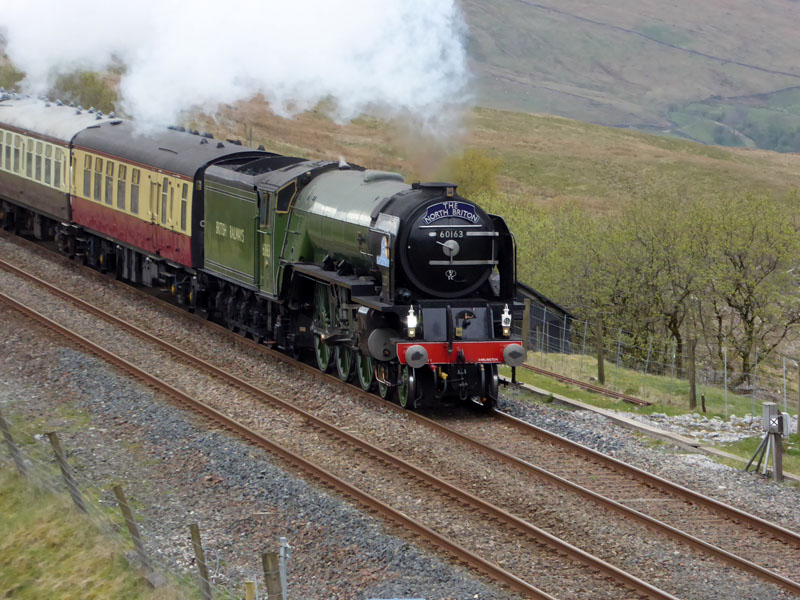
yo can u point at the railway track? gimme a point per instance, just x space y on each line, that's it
587 386
538 552
628 492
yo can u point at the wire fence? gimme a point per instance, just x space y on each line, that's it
655 368
36 457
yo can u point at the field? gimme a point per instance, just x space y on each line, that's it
628 63
544 160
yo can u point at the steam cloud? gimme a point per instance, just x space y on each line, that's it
387 57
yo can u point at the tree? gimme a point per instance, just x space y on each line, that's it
475 172
751 302
85 88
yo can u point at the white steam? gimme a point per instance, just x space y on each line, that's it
388 57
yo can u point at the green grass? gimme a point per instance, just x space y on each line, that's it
667 394
747 447
49 550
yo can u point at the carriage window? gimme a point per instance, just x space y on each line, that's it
135 191
17 154
109 183
29 158
57 171
87 176
38 171
98 179
48 163
9 150
164 188
184 200
122 172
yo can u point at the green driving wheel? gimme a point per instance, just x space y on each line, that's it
343 357
322 321
365 369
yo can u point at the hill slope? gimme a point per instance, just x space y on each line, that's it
642 63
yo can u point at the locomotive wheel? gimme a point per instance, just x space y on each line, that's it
383 375
343 357
365 369
322 351
407 388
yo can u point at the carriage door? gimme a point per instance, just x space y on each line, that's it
265 250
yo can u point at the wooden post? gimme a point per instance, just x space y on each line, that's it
12 447
66 471
777 456
692 376
272 575
249 590
526 325
200 557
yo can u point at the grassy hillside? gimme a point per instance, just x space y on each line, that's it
47 550
545 160
631 63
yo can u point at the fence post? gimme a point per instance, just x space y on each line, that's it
725 366
755 387
526 325
619 349
545 335
200 557
672 369
249 590
66 472
647 365
583 348
12 447
272 575
692 376
284 556
156 580
784 385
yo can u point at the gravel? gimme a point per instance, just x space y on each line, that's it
179 472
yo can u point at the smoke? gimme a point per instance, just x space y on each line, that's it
380 57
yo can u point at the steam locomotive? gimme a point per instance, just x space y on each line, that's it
405 288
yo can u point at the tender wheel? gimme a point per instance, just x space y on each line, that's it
343 357
365 370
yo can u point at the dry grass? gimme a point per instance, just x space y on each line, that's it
545 160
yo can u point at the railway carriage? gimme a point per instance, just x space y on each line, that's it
405 288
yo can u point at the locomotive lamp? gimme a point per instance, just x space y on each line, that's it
505 320
411 322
